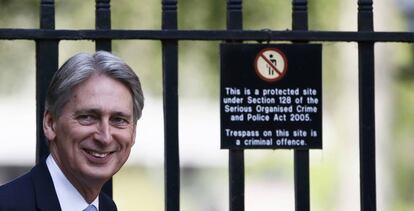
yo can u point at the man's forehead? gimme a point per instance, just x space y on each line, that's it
91 105
102 93
99 84
101 111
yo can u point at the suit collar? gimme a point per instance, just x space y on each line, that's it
45 193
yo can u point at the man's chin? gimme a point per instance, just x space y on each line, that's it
99 175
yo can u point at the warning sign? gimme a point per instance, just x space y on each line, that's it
271 96
271 64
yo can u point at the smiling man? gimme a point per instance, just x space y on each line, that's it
92 108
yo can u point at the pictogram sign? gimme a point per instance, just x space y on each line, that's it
264 104
271 64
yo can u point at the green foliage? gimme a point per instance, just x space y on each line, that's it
324 14
403 143
201 14
17 65
264 14
17 57
19 14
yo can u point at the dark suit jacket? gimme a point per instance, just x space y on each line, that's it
34 191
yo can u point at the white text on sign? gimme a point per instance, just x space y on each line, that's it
278 105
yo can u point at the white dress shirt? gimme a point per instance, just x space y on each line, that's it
69 198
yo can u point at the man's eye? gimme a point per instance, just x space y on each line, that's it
86 119
119 121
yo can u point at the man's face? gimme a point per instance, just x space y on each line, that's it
93 136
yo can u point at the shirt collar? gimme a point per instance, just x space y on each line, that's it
69 197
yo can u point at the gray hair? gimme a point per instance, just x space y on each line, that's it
81 67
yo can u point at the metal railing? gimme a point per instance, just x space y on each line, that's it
47 44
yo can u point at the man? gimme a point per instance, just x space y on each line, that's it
92 107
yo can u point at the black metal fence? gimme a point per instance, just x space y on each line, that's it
47 44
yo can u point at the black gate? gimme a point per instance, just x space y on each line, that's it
47 44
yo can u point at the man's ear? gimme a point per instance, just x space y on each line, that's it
49 126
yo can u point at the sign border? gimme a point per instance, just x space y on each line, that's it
225 53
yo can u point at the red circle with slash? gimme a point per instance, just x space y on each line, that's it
271 64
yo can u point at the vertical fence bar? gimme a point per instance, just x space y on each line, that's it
103 21
301 157
300 15
46 65
366 109
236 157
170 95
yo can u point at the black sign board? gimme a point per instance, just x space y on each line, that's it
271 96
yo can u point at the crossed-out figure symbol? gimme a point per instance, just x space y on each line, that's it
270 69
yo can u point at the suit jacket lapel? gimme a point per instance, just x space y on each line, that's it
46 197
45 193
106 203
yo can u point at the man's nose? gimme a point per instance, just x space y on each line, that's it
103 133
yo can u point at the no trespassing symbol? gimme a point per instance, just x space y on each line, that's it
271 64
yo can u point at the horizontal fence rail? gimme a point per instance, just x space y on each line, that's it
218 35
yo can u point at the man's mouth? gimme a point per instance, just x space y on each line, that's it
98 154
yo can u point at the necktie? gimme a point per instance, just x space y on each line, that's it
91 207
